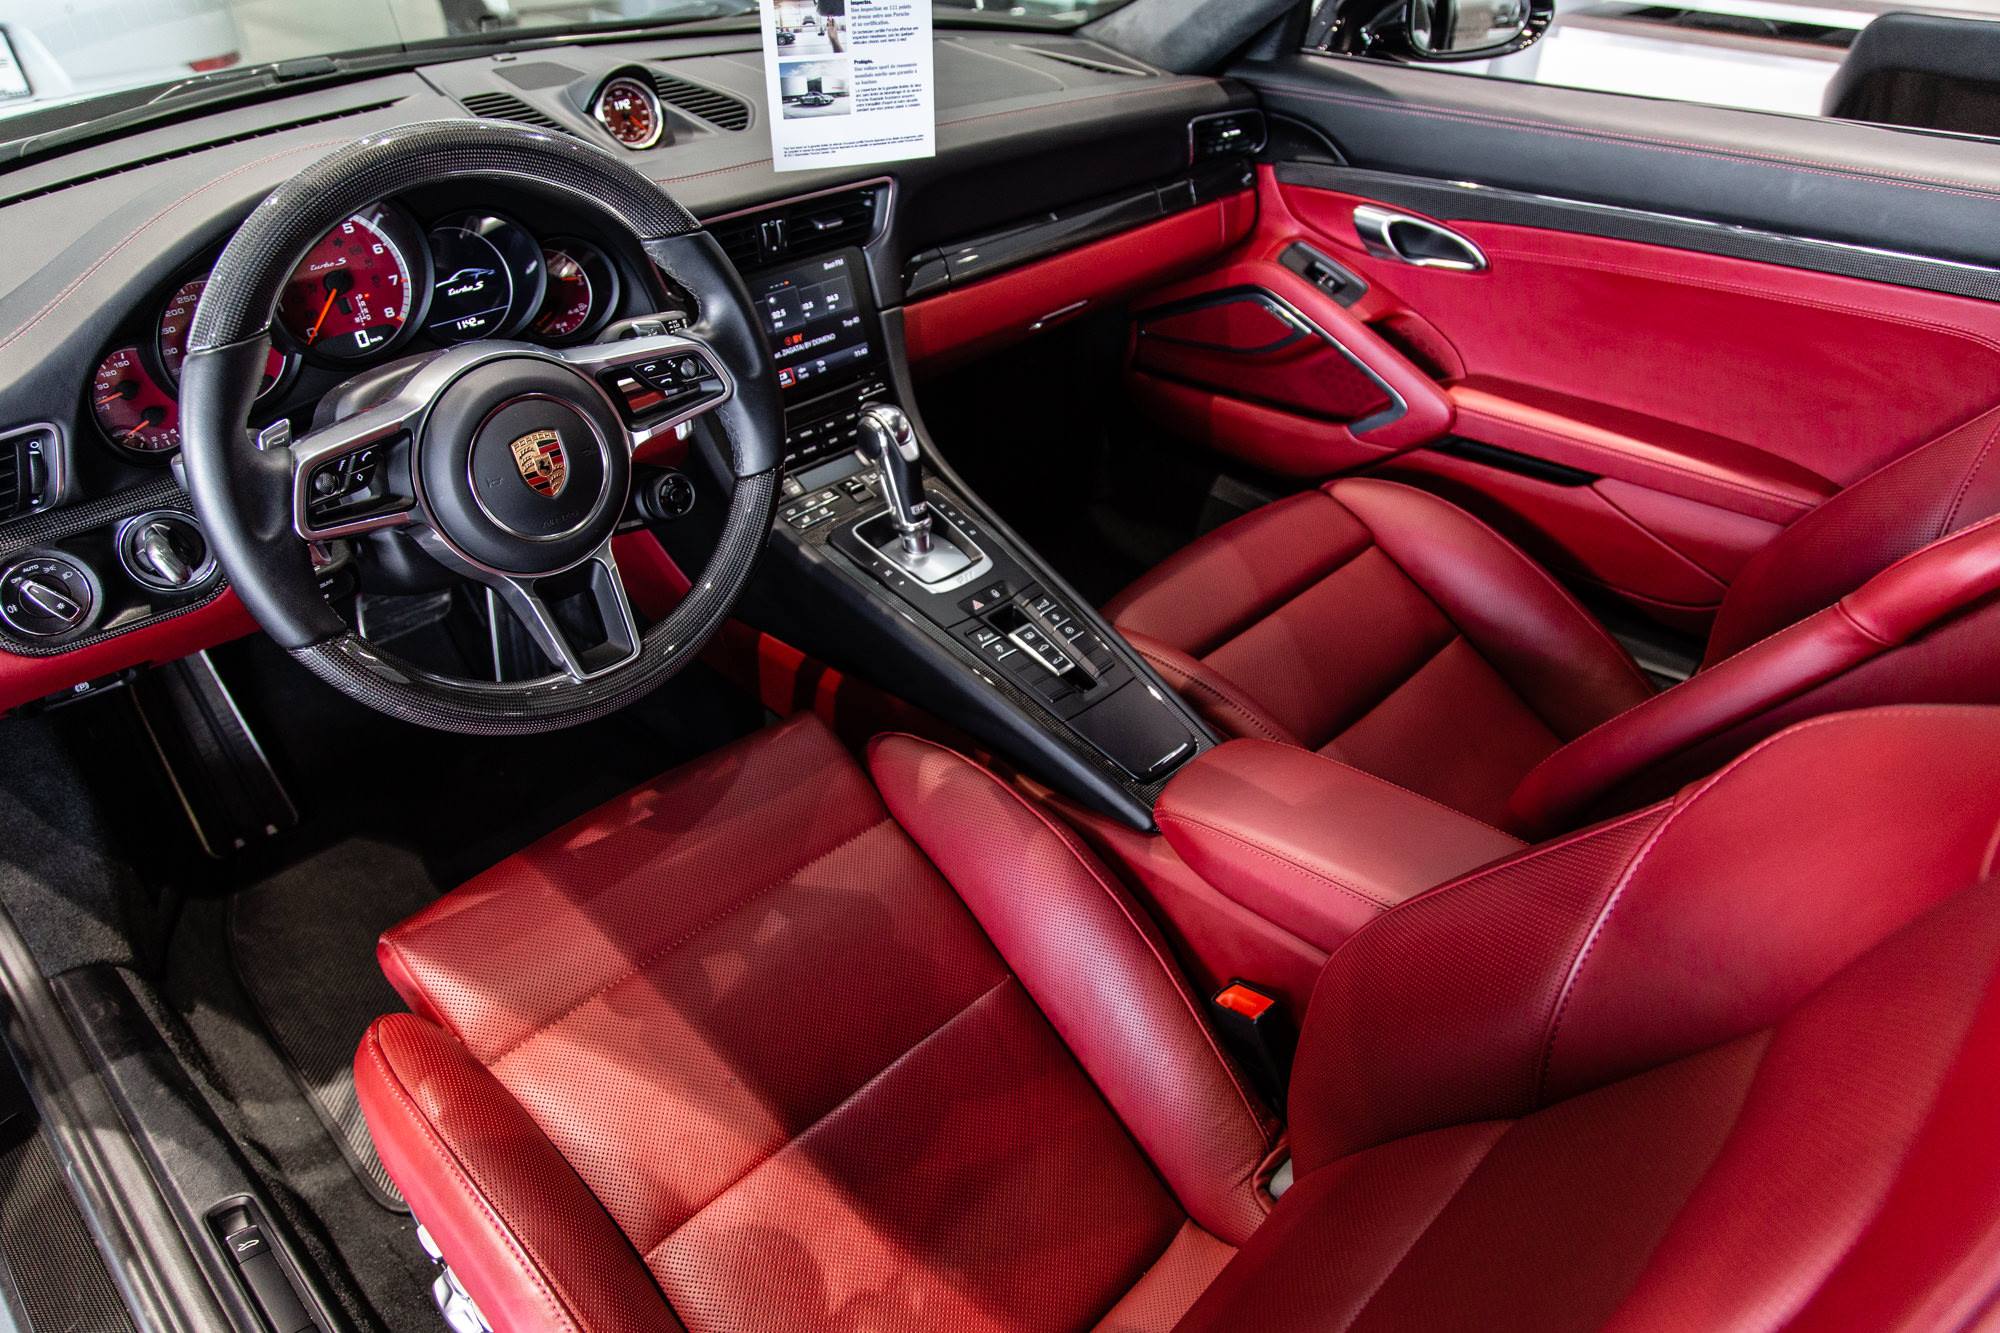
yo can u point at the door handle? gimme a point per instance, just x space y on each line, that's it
1409 240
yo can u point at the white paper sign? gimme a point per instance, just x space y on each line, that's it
848 81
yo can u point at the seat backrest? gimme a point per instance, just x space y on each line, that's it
1725 1062
1901 507
1924 630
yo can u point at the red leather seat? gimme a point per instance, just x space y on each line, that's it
1389 629
735 1053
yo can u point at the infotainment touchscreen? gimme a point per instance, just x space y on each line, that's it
817 323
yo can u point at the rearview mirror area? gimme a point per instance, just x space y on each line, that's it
1429 30
1468 29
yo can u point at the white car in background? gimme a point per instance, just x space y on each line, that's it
60 49
1761 55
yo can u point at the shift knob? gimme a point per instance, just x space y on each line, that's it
891 442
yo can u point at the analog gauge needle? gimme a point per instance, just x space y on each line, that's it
338 281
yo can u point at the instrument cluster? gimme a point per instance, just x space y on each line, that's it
377 284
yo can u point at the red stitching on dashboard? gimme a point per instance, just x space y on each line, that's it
105 258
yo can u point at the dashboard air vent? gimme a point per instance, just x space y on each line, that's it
702 102
26 457
790 231
506 106
12 473
136 163
1096 64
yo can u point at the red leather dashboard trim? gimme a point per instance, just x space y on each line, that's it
964 321
25 679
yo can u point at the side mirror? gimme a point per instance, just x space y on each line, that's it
1475 29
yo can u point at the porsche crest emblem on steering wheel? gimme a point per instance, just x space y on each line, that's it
543 464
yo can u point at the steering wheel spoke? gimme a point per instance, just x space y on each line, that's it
581 618
343 474
658 383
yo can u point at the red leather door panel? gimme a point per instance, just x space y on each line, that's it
1265 365
1245 343
1704 402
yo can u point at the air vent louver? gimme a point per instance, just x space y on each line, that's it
794 231
27 460
506 106
13 499
156 158
710 104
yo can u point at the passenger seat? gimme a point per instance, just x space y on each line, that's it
1387 628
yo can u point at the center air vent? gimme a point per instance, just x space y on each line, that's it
506 106
702 102
792 231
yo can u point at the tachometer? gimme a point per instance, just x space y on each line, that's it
489 278
352 295
582 290
132 408
177 317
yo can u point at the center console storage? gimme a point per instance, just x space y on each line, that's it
1310 844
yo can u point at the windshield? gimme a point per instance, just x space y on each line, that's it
55 51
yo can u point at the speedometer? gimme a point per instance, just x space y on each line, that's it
177 317
352 295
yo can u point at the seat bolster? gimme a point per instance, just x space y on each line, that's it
1600 767
524 1234
1221 704
1635 943
1098 971
1548 648
1930 492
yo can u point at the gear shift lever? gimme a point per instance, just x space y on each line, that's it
892 444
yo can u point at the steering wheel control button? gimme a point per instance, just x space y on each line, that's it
672 383
668 496
166 552
537 468
46 597
352 486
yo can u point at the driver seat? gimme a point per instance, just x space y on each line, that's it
757 1048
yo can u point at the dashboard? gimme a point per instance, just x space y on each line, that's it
400 276
110 246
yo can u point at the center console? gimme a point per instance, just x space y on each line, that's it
890 567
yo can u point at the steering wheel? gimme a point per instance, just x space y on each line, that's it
519 457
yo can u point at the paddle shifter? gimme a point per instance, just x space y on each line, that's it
892 445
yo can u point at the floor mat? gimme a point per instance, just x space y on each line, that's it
328 909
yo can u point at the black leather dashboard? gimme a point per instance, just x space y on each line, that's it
1026 122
